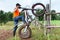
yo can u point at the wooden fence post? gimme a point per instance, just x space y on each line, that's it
48 20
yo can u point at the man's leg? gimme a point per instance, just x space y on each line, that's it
16 22
15 28
22 17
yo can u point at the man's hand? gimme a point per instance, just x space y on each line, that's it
15 9
22 10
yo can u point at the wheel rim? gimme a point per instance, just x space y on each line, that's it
25 34
40 4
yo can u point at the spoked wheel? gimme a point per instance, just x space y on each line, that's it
26 34
40 9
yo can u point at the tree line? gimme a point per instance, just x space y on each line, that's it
8 16
5 17
53 16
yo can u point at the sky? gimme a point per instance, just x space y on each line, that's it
9 5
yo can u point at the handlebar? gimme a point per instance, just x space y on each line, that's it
28 9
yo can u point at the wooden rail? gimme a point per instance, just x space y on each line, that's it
53 26
52 13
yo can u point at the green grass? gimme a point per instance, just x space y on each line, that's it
55 22
36 33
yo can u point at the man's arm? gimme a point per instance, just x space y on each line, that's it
15 9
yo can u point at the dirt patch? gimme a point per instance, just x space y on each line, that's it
4 34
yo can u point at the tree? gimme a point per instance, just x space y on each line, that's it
9 16
53 16
1 14
39 12
58 17
3 18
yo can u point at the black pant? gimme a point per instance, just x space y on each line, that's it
14 31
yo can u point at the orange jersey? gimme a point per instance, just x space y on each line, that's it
16 13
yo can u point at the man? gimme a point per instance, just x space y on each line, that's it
16 17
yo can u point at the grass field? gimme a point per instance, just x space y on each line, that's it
36 33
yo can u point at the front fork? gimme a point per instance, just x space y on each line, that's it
26 19
25 29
